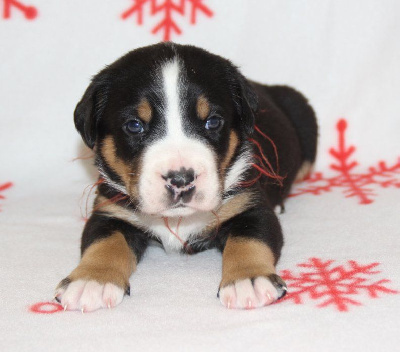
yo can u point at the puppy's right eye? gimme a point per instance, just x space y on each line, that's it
134 127
214 123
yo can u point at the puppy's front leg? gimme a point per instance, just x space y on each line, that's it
249 279
102 277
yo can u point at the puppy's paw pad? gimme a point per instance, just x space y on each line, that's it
239 295
265 291
246 296
227 296
112 295
92 297
88 296
250 294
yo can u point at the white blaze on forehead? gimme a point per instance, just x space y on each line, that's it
173 112
173 151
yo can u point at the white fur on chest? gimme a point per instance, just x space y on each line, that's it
179 231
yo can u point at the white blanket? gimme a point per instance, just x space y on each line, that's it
342 226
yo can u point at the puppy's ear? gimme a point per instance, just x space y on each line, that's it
89 110
246 102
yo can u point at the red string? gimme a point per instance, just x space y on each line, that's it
264 166
83 157
98 182
112 200
184 244
273 145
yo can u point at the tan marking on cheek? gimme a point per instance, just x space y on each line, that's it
107 260
233 144
144 111
116 211
245 258
235 206
203 107
128 174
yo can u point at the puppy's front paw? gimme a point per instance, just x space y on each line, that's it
88 295
253 293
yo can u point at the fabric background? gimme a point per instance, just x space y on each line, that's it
343 55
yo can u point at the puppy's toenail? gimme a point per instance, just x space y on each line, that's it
249 303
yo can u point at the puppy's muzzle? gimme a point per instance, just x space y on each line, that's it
180 184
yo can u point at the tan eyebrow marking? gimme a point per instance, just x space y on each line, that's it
203 107
129 173
144 110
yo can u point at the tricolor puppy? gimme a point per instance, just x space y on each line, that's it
194 156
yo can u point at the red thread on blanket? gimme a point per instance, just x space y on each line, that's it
353 184
30 12
336 286
3 187
167 9
46 308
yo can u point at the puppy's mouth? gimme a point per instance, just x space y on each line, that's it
178 210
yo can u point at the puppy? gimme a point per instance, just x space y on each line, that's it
193 155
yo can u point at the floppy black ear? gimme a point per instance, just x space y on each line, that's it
246 102
89 110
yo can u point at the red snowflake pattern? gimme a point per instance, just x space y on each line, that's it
30 12
354 184
3 187
167 8
333 285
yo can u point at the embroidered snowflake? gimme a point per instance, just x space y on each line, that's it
3 187
353 184
331 285
168 9
30 12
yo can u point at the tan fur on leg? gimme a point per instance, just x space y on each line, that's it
246 258
109 260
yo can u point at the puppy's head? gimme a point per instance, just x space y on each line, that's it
169 126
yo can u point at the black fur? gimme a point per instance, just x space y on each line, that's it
100 226
295 106
280 112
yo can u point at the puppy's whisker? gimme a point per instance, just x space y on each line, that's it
84 157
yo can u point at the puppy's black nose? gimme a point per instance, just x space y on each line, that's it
180 178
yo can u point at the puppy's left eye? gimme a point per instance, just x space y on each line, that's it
214 123
134 127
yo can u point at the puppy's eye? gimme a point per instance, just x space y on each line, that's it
214 123
134 127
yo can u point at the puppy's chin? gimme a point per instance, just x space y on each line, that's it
179 212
